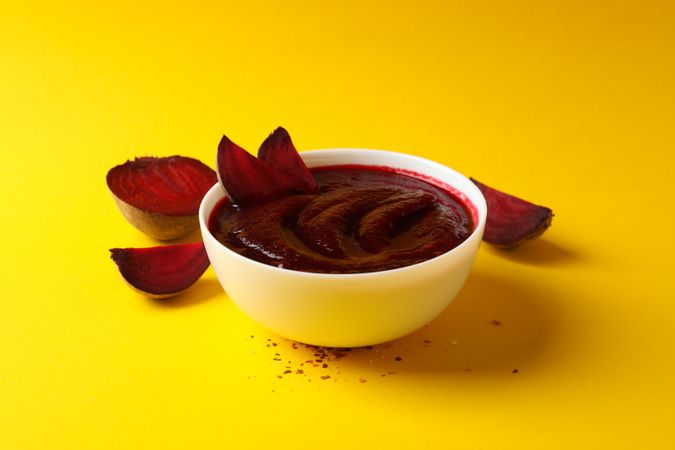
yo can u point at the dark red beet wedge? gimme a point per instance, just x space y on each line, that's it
511 220
247 179
161 272
161 196
279 153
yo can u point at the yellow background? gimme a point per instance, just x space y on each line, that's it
570 104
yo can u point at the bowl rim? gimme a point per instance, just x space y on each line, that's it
481 213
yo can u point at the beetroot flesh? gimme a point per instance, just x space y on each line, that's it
162 271
511 220
279 172
172 186
279 153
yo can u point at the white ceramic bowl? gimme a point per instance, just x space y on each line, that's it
349 310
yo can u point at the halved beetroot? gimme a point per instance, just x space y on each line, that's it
278 172
161 272
511 220
161 196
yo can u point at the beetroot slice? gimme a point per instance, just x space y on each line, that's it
162 271
279 153
247 179
173 186
511 220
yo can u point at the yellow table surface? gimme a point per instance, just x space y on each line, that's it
567 104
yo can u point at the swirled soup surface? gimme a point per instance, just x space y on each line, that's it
364 219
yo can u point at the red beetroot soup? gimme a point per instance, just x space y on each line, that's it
365 219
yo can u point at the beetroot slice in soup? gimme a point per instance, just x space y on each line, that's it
163 271
279 153
278 171
511 220
247 179
172 186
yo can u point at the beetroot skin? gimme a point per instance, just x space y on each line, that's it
161 196
511 220
279 170
163 271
